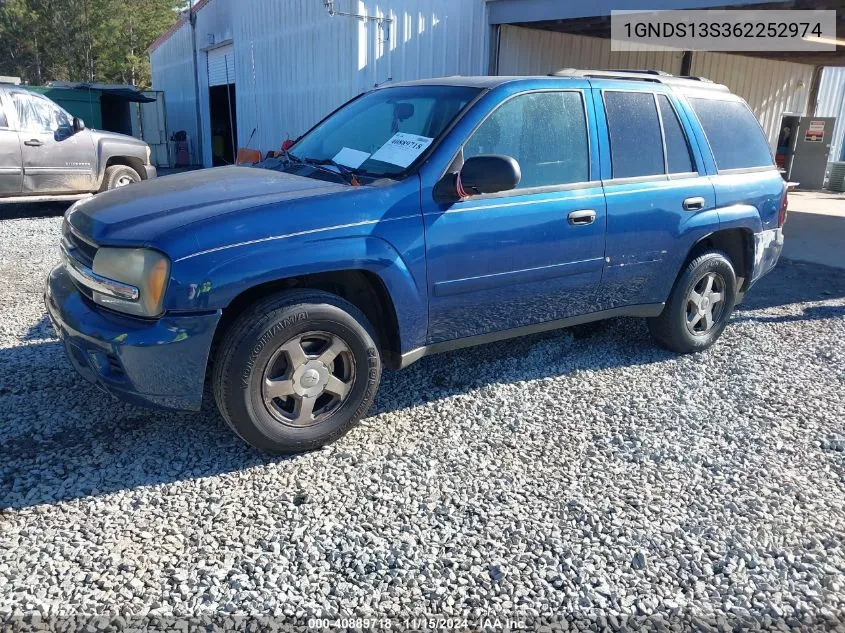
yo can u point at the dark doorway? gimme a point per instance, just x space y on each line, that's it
115 112
224 131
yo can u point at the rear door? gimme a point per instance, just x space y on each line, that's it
660 199
55 159
532 254
11 170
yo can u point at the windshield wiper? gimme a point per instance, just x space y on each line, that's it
347 174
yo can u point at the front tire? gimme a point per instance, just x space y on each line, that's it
117 176
699 307
295 372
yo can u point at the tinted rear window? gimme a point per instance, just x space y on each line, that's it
734 134
636 147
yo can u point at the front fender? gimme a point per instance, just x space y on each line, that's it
213 281
116 148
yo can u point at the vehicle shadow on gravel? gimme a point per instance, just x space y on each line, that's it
61 438
795 282
20 210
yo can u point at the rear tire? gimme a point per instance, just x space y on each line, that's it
699 307
296 371
117 176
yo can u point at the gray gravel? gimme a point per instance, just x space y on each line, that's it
584 474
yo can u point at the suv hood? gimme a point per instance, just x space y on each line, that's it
141 213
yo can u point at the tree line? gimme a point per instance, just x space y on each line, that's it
82 40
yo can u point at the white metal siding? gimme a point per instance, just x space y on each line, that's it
525 51
770 87
221 66
293 63
831 102
173 74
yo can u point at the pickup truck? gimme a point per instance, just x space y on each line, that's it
47 154
418 218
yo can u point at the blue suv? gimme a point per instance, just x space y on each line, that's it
417 218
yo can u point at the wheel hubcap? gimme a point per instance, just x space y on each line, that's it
308 378
706 304
123 181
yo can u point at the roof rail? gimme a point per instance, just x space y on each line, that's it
645 71
654 76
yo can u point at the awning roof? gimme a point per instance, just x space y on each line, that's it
127 93
593 19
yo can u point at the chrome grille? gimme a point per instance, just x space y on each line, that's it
81 250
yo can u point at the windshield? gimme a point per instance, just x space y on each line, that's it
384 131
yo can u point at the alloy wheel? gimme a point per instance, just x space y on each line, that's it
308 378
705 304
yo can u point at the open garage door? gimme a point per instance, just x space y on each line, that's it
222 99
525 51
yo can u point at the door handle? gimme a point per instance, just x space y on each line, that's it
694 204
33 142
581 217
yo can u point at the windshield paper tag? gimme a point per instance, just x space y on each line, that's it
350 157
402 149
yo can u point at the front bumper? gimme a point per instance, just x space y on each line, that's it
767 249
154 363
150 172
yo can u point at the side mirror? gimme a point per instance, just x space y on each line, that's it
486 173
78 124
489 173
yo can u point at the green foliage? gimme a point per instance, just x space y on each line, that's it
82 40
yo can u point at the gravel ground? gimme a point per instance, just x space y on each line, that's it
584 474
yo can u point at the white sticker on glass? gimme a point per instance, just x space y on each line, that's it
350 157
402 149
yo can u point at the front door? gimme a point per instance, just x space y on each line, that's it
530 255
10 155
56 159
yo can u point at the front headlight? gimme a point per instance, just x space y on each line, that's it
145 269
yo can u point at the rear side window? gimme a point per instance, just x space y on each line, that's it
545 132
678 157
734 134
636 147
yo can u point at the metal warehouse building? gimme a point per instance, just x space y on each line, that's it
254 72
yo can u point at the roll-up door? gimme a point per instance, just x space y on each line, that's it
221 66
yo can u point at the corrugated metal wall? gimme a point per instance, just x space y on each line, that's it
535 52
173 73
294 63
831 102
770 87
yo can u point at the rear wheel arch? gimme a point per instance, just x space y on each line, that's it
738 246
